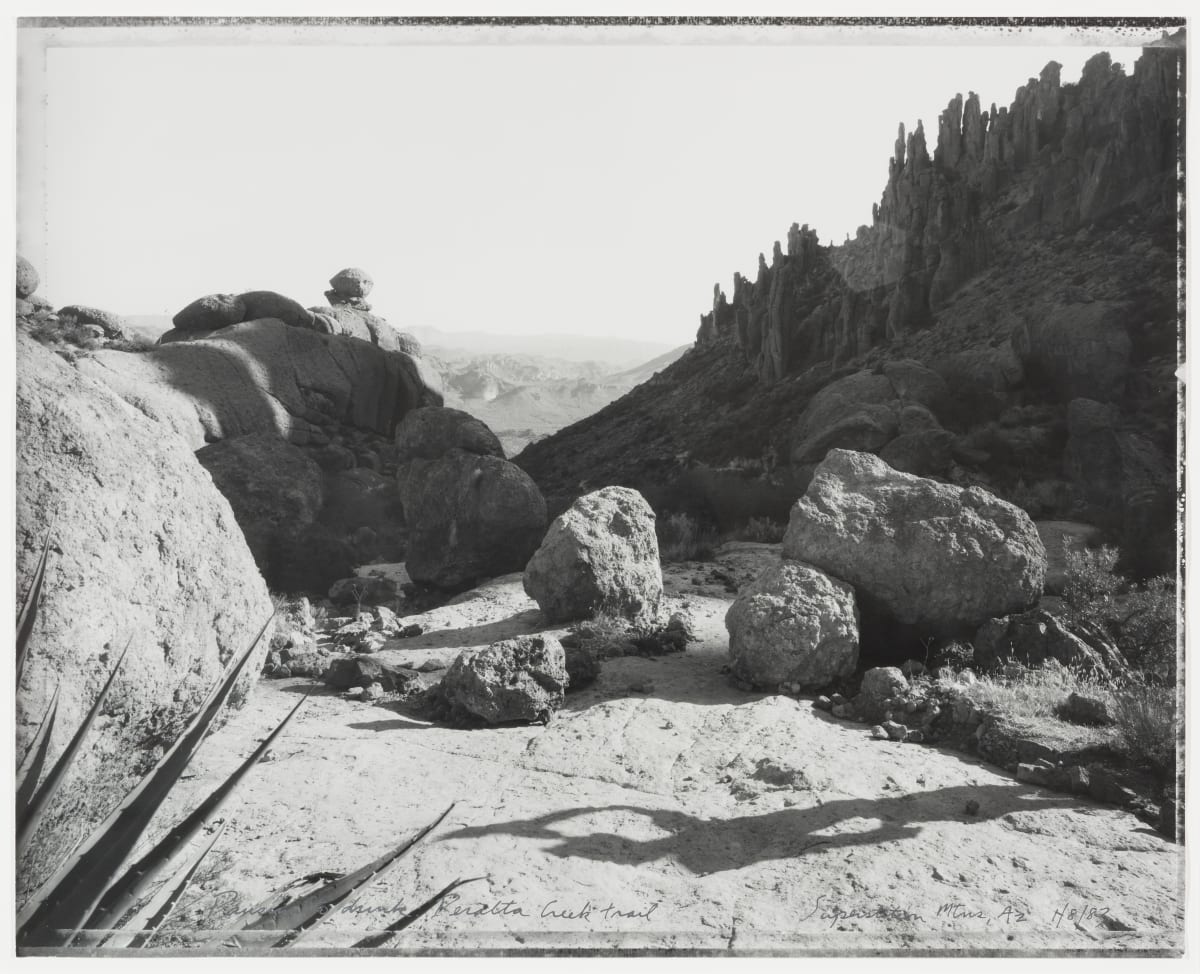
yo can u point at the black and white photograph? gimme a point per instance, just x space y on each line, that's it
601 485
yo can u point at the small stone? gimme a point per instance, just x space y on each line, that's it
836 699
373 692
410 631
371 642
845 711
897 732
431 666
879 733
912 667
972 807
914 737
823 703
911 707
282 672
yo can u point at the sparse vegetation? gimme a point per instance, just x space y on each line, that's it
1140 618
1145 715
682 538
764 530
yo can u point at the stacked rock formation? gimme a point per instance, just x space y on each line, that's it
349 313
74 324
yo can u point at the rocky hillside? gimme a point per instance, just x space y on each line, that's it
1013 306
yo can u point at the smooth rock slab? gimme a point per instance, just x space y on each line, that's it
515 679
793 624
928 554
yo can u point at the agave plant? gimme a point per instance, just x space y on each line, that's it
97 895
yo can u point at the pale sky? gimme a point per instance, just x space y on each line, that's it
548 180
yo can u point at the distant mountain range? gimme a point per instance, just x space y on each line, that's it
525 397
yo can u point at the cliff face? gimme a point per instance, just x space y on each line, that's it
1061 157
1027 264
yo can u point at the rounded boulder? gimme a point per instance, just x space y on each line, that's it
471 517
793 624
600 556
927 554
27 278
352 282
211 312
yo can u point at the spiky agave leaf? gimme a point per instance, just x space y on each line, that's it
379 939
27 823
149 918
66 899
34 760
28 613
126 892
297 915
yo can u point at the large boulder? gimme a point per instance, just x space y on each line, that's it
432 431
144 550
931 555
265 377
211 312
521 679
275 490
858 412
470 517
27 278
112 324
793 624
1032 638
271 304
600 556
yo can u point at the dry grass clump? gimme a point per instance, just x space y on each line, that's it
764 530
1031 693
682 538
1145 716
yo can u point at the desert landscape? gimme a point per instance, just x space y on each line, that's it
851 628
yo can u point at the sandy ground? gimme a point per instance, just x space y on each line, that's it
692 816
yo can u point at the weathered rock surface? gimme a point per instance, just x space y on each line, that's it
521 679
265 377
144 549
275 491
1077 350
431 431
27 278
599 556
932 555
880 684
471 517
112 324
211 312
1031 638
352 282
272 304
793 624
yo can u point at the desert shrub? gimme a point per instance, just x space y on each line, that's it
1144 714
1139 617
682 538
764 530
727 499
